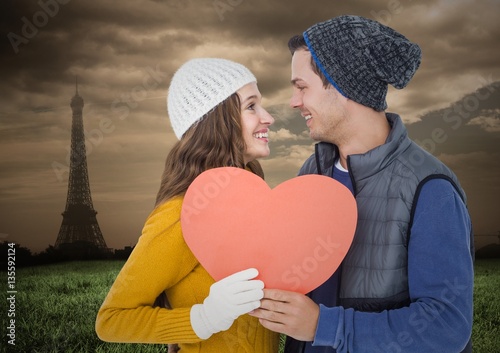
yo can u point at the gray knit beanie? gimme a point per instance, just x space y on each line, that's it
360 57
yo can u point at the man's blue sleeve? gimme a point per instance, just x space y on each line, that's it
440 276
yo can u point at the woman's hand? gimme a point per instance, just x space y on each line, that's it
229 298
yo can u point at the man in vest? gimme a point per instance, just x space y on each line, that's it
406 283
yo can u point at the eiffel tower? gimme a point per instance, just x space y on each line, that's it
79 236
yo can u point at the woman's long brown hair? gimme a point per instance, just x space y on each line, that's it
215 141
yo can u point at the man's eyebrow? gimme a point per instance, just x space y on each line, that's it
295 80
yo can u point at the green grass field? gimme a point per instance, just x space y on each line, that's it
56 305
486 329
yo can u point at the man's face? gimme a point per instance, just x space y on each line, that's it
323 108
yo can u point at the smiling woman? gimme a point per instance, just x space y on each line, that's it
215 109
255 121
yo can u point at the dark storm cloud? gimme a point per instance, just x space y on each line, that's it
83 35
445 130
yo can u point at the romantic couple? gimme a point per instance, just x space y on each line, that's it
406 283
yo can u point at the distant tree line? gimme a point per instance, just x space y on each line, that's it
24 257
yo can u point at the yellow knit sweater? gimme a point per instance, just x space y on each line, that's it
161 261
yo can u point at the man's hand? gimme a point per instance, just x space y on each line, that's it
293 314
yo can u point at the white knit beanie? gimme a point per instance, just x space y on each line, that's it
200 85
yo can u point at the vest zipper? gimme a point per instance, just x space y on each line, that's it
316 157
351 176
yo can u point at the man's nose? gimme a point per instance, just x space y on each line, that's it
296 100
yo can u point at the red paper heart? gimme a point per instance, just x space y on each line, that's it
296 234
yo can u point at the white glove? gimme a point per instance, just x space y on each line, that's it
229 298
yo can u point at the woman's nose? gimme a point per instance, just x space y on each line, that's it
267 118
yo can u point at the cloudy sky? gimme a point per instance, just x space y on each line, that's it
124 54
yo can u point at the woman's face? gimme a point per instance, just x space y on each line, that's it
255 122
